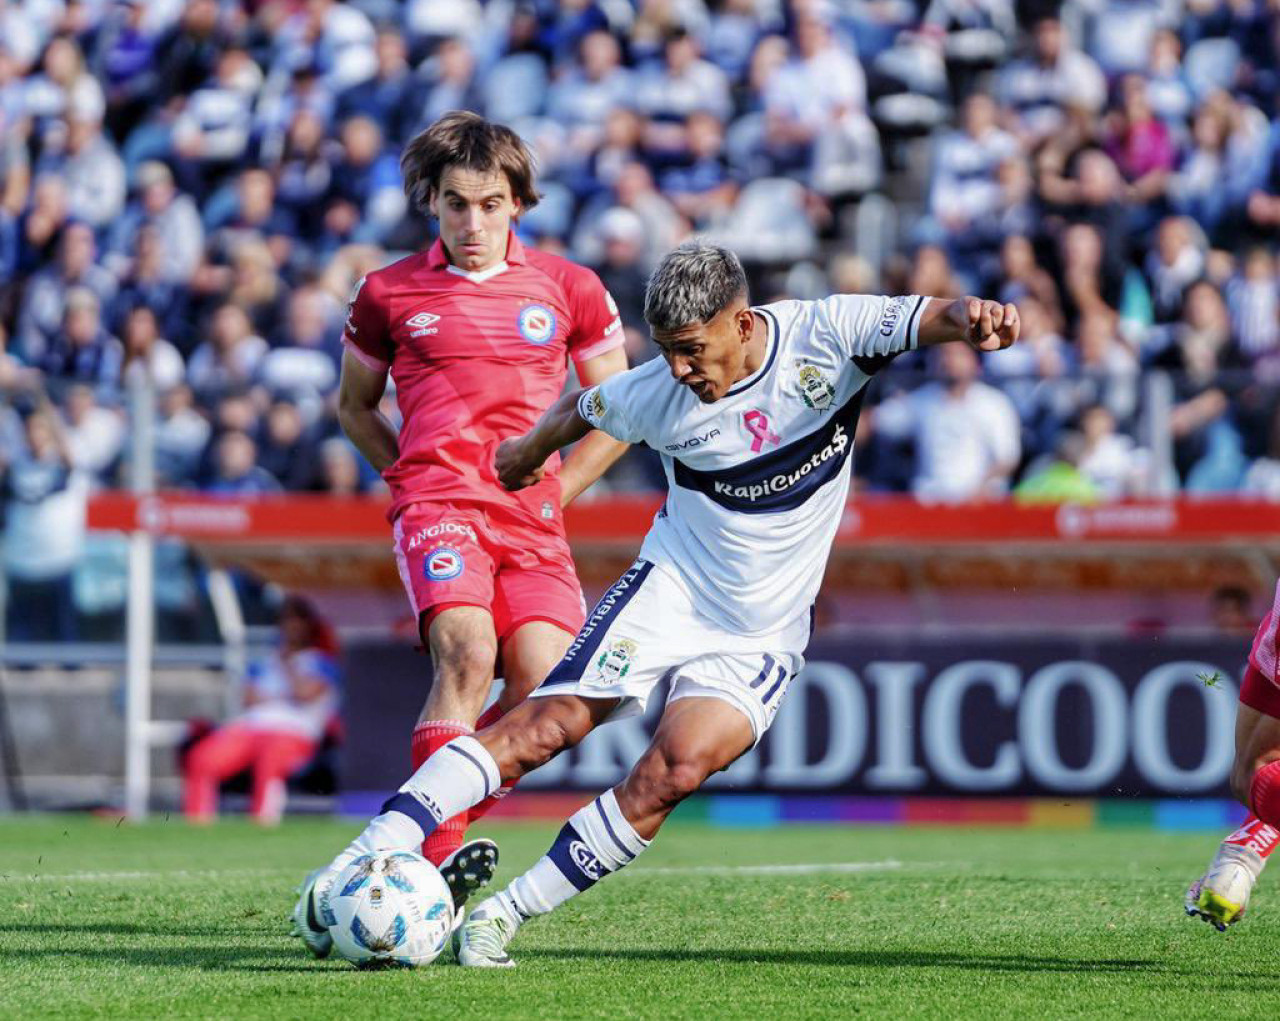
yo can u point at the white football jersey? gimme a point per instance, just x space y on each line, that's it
757 480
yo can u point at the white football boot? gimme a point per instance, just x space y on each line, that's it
482 940
1221 895
309 913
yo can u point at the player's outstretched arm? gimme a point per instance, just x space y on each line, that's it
519 462
598 451
359 394
981 323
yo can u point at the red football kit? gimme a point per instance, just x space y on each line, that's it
477 358
1261 686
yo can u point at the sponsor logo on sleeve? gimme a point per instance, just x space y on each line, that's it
351 308
443 563
893 314
596 406
537 324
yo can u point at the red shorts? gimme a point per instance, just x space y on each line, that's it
1259 688
475 555
1259 693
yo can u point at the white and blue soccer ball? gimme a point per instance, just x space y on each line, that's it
390 909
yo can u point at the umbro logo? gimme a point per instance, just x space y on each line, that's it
422 324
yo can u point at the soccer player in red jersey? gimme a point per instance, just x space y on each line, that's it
1221 895
477 333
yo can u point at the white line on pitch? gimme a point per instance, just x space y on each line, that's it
820 868
91 877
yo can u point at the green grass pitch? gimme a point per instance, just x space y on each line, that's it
165 921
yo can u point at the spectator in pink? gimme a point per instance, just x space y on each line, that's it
290 699
1140 143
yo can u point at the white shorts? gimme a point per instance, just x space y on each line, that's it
645 629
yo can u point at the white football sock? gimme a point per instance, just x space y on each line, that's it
457 776
596 841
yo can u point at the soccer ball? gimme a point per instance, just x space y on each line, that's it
389 910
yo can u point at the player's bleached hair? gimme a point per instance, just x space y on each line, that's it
465 139
693 283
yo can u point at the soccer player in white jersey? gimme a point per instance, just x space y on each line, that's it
753 411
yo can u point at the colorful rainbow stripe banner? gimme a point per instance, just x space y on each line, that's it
773 810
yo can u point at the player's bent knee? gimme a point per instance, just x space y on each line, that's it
659 782
467 665
550 729
684 778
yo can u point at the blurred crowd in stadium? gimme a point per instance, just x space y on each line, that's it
191 190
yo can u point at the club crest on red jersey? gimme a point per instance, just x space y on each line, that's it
536 323
443 563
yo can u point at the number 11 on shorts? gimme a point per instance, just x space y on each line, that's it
763 675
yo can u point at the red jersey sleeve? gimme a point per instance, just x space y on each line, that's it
597 327
367 334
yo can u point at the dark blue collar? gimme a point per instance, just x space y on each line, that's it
774 340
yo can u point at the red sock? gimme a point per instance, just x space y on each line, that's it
488 718
428 738
1264 794
1257 836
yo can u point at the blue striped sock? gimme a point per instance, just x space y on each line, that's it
596 841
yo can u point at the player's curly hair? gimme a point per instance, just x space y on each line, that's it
461 138
693 283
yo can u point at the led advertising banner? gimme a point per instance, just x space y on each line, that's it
1116 717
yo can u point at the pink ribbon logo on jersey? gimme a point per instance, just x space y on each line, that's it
757 423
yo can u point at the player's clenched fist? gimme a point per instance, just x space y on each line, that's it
992 325
514 467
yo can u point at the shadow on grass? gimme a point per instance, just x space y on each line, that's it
247 948
132 929
873 959
244 957
282 955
